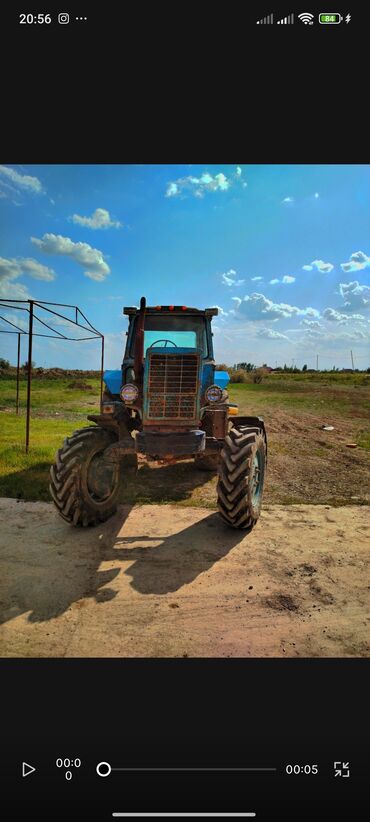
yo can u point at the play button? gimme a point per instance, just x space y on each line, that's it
27 769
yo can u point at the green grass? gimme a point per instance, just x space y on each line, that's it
320 377
311 397
58 410
26 476
363 439
49 395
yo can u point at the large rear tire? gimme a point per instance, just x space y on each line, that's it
241 477
84 487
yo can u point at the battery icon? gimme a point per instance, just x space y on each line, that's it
330 19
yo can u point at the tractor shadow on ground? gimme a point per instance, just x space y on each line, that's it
154 482
164 564
49 566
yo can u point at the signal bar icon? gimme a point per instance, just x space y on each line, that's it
286 20
268 19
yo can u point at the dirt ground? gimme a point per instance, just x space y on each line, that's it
316 465
298 585
305 465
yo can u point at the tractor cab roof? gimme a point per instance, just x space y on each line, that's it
172 309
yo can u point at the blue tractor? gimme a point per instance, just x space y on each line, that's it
169 403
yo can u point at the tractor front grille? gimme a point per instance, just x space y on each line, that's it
172 386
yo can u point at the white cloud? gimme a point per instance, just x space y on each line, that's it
358 261
257 307
270 334
311 324
324 268
256 279
172 190
9 269
99 219
221 311
91 258
286 280
12 291
21 182
13 268
199 186
16 318
334 316
229 278
288 200
36 270
355 295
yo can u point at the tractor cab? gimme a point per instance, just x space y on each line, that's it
178 326
168 377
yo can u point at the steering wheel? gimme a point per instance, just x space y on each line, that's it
165 341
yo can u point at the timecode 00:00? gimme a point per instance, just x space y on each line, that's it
295 769
66 763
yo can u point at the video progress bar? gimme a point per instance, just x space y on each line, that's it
195 770
224 815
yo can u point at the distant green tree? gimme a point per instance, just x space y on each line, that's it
25 365
4 363
246 366
304 367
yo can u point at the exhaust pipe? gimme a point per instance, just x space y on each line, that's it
139 343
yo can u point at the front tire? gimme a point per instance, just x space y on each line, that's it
84 487
241 477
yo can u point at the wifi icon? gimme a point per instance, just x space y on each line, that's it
306 18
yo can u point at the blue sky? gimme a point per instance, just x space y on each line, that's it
283 250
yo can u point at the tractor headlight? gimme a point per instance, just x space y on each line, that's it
213 393
129 393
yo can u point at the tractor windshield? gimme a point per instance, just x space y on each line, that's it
169 331
168 339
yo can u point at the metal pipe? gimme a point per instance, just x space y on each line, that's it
18 365
50 311
101 370
139 342
88 322
29 376
9 323
44 302
49 327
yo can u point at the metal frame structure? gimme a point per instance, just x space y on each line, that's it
94 334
